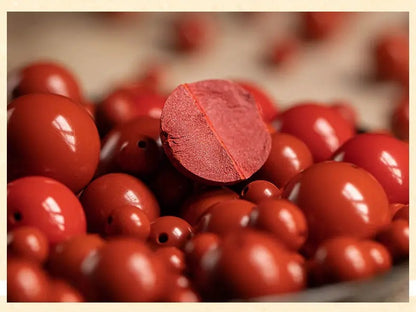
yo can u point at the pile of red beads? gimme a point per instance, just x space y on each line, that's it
208 193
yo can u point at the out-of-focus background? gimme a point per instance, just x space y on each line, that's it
106 49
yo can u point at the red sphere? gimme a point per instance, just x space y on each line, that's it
259 190
28 242
47 77
112 191
61 291
400 120
46 204
320 127
288 156
396 239
173 258
52 136
320 25
385 157
339 199
170 231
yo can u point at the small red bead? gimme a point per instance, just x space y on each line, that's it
170 231
28 242
259 190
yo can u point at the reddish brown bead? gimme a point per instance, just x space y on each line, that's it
283 219
402 213
61 291
346 110
198 204
381 257
226 216
288 157
190 31
26 281
28 242
183 295
241 267
173 258
170 231
320 25
128 221
400 120
396 239
112 191
259 190
127 270
198 247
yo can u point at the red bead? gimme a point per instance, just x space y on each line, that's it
127 270
52 136
268 108
47 77
402 213
320 25
339 199
28 242
173 258
400 120
26 281
259 190
112 191
191 32
288 157
284 51
61 291
198 204
381 257
46 204
128 221
385 157
198 247
321 128
253 264
346 110
282 219
226 216
183 295
396 239
170 231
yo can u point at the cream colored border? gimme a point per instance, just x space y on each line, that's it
207 5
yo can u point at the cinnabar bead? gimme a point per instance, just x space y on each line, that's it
241 272
288 156
61 291
400 120
381 257
128 221
112 191
339 198
173 257
395 238
402 213
28 242
46 204
47 77
320 25
346 110
320 127
385 157
50 135
26 281
170 231
282 219
198 247
190 32
260 190
127 270
226 216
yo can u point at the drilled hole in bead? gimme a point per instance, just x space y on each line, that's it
17 216
141 144
110 219
245 190
163 238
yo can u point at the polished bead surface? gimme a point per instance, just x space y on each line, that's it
396 239
28 242
61 291
260 190
170 231
173 257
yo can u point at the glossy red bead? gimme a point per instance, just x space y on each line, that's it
346 110
46 204
283 219
198 247
190 32
382 261
400 120
288 156
268 108
321 128
112 191
128 221
385 157
61 291
339 198
173 257
47 77
26 281
402 213
127 270
396 239
242 264
320 25
197 204
52 136
260 190
226 216
170 231
28 242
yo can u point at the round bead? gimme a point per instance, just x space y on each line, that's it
28 242
170 231
402 213
173 258
396 239
282 219
381 257
400 120
112 191
49 135
128 221
198 247
288 156
385 157
46 204
320 127
260 190
61 291
339 199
